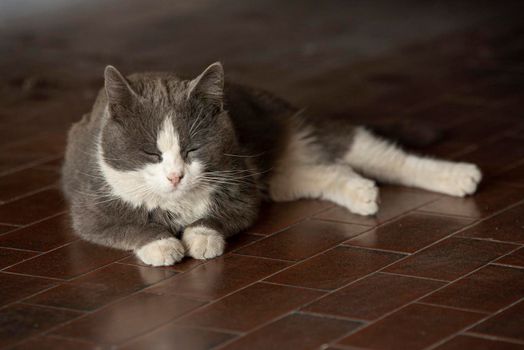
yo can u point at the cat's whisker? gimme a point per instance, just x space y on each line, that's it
244 156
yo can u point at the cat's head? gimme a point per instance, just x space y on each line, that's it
164 136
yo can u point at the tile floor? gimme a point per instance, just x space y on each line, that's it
428 271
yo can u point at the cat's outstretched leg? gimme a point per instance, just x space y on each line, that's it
336 183
386 162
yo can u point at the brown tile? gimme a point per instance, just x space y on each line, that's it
69 261
462 342
128 318
250 307
101 287
233 244
507 324
303 240
451 258
186 264
10 161
513 176
506 226
7 228
10 257
52 343
274 217
394 201
182 337
32 208
16 287
21 321
296 331
489 289
373 296
516 258
25 181
414 327
335 268
219 276
494 156
241 240
410 233
42 236
491 198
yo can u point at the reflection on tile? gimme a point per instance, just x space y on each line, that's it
414 327
42 236
25 181
373 296
490 198
219 276
290 333
506 226
265 302
32 208
507 324
488 290
463 342
21 321
53 343
516 258
394 201
335 268
180 337
101 287
16 287
274 217
451 258
410 233
303 240
128 318
10 257
69 261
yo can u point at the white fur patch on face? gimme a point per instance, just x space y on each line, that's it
151 187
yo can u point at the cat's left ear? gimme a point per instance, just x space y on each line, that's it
209 85
119 91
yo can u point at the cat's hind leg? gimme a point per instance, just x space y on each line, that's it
386 162
336 183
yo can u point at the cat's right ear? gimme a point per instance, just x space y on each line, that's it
118 90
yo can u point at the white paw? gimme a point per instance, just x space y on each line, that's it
162 252
203 243
362 197
459 179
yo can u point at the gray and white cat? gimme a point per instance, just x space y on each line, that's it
168 167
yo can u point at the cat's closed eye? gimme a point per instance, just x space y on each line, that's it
153 154
191 150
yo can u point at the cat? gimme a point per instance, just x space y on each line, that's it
168 167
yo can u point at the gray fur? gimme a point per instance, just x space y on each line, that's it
241 129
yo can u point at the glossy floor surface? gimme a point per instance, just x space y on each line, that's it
429 271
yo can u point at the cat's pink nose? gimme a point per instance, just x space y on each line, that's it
175 178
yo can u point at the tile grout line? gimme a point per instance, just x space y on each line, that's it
333 291
493 337
417 299
468 327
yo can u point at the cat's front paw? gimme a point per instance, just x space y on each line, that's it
203 243
460 179
162 252
362 197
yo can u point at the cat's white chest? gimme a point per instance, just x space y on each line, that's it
193 207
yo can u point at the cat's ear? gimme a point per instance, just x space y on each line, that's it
209 85
118 90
